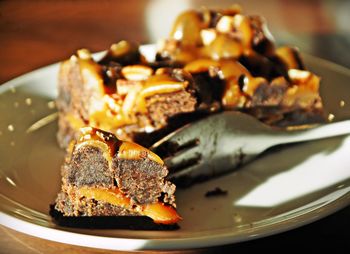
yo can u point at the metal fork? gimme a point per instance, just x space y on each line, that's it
222 142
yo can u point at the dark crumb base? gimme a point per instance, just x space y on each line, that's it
216 192
108 222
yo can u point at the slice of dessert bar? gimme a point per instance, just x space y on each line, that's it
213 60
122 99
105 178
259 78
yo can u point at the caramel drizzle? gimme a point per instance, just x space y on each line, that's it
159 212
123 149
94 134
120 111
203 46
233 36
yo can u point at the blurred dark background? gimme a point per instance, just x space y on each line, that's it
37 33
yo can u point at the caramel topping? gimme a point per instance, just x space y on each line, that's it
223 46
243 25
198 35
226 68
108 142
233 97
158 84
74 122
92 134
137 72
107 119
111 111
231 68
304 89
159 212
236 48
201 65
112 196
230 71
104 113
227 37
251 84
290 56
129 150
187 28
304 79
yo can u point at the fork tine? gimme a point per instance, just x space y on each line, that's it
182 159
186 134
186 171
174 142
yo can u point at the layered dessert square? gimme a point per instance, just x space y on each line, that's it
212 61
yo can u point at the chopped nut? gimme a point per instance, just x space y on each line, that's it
124 86
112 102
120 48
84 54
304 79
73 59
302 76
237 20
163 70
137 72
130 100
243 25
208 36
225 24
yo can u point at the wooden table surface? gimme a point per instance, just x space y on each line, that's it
36 33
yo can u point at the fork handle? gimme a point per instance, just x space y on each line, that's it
320 132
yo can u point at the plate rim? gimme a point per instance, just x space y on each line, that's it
123 243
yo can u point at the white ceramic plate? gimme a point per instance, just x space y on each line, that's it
280 191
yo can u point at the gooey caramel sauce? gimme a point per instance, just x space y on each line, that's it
111 111
200 41
159 212
112 146
217 40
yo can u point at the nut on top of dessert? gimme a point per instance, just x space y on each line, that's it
212 60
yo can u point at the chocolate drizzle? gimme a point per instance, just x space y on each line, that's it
89 133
